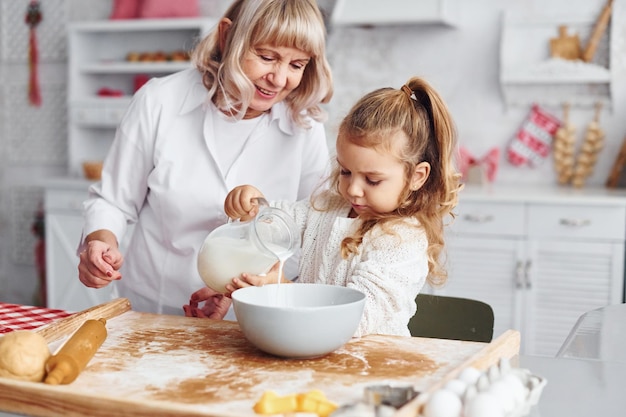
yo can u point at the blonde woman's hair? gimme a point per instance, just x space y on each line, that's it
292 23
417 110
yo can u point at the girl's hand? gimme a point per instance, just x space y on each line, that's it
240 202
207 303
248 280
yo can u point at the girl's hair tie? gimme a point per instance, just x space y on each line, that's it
407 90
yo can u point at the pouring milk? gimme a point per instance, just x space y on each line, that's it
252 247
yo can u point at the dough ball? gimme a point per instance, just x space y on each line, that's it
23 355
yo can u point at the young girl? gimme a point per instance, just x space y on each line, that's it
379 227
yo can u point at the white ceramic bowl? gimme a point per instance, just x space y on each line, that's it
298 320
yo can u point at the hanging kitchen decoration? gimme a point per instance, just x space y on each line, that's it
33 18
533 141
479 171
589 151
563 148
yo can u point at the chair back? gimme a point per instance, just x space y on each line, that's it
444 317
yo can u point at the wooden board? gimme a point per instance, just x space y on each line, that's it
565 46
159 365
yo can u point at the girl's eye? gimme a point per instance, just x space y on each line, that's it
298 66
370 182
344 173
266 58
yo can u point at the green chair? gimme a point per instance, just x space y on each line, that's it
444 317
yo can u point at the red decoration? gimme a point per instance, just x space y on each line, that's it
33 18
488 164
533 140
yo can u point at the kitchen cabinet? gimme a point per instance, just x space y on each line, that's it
64 222
539 257
63 200
107 61
389 12
98 62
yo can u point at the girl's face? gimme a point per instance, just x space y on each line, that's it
275 72
372 181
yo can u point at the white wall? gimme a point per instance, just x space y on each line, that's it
461 62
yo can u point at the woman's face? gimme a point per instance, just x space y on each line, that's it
275 72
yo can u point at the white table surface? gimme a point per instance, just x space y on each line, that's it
598 334
578 387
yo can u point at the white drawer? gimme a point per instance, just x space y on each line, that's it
65 200
577 222
497 219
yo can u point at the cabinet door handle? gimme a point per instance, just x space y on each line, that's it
575 222
519 275
478 218
527 267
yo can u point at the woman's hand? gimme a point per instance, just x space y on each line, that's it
100 261
215 305
240 202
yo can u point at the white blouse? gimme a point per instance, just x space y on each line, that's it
161 174
389 269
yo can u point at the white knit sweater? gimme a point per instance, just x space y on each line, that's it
390 269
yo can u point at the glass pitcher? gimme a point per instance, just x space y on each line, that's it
252 247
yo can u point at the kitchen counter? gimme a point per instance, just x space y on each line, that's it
543 194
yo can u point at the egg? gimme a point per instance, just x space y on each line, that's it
505 366
443 403
502 390
516 387
470 392
484 404
470 375
494 373
456 386
483 382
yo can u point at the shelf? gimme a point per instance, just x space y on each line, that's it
558 71
130 25
529 75
98 112
133 67
97 59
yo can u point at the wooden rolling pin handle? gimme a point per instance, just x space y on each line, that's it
72 358
597 32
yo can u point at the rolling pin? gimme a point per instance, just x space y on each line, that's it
72 358
598 30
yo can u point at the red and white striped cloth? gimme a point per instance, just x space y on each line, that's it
20 317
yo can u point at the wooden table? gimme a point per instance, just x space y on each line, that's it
161 365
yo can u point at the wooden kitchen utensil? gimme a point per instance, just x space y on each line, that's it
617 169
598 31
565 46
68 325
76 352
